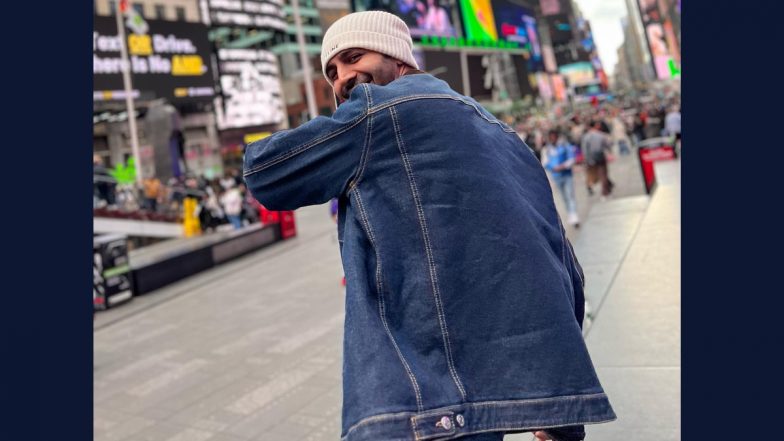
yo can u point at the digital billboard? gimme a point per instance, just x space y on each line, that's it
256 14
560 27
446 66
661 39
423 17
578 73
550 7
516 23
171 60
478 20
250 89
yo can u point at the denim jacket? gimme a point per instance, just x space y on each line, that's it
464 300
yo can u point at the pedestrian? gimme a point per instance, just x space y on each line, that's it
464 300
558 158
638 128
152 191
672 124
104 184
618 133
595 145
231 201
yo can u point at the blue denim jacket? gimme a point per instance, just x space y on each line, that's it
464 300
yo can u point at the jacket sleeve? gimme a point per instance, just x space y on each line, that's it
312 163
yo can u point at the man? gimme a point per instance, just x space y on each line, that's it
464 301
595 145
558 158
672 124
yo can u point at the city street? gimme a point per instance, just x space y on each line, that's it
251 350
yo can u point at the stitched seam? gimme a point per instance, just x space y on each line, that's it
438 96
416 431
297 150
365 149
428 252
381 304
577 268
391 416
563 242
485 429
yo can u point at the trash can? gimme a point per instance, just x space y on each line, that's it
650 151
111 271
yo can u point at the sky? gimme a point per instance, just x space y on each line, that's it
605 17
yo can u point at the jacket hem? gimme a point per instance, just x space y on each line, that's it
452 422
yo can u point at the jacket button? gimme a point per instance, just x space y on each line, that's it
445 423
460 420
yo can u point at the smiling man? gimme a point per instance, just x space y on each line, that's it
464 300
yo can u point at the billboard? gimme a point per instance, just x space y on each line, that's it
250 89
662 44
423 17
171 60
550 7
578 73
516 23
559 88
560 27
478 20
446 66
256 14
543 84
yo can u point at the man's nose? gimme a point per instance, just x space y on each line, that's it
346 81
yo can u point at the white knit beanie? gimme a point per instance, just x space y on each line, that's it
377 31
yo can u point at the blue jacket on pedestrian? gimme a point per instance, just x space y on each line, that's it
561 154
464 299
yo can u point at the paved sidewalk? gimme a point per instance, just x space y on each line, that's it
635 337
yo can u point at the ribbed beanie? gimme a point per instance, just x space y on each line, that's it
377 31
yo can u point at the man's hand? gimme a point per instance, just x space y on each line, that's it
541 435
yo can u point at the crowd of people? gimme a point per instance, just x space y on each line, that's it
591 137
221 201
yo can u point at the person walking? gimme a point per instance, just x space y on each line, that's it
595 145
558 158
464 299
231 200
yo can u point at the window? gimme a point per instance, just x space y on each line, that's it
160 12
180 13
139 7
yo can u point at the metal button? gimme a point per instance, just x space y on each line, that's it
460 420
445 423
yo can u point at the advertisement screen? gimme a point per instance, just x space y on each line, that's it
659 50
423 17
517 23
560 28
171 60
445 66
522 71
478 20
257 14
661 44
480 77
559 88
577 73
543 84
550 7
250 89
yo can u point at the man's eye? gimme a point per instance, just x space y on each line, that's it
355 57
